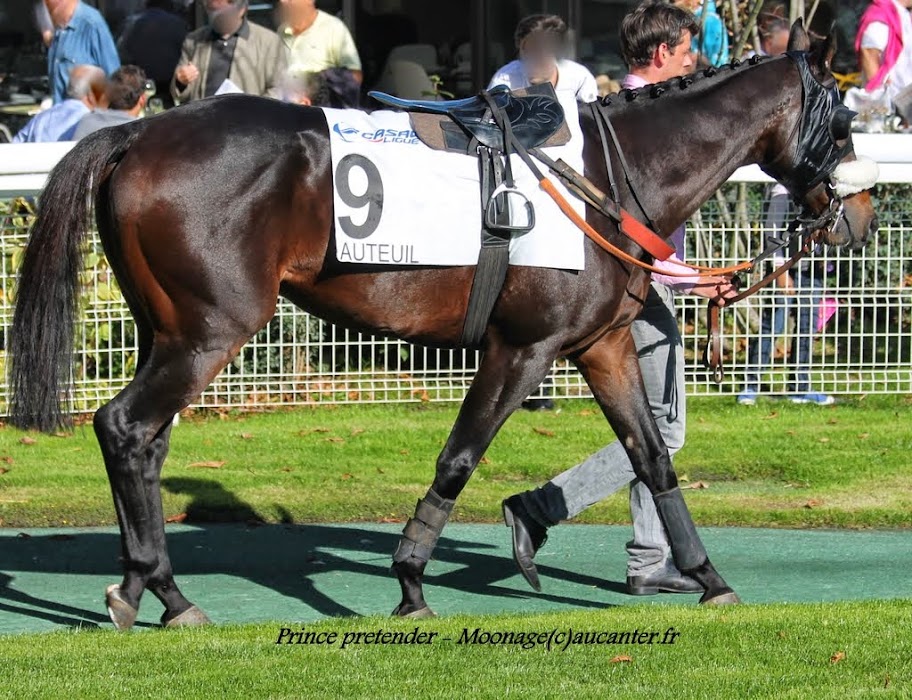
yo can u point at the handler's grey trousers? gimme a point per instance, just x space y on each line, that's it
661 353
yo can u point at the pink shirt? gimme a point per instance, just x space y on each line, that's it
678 284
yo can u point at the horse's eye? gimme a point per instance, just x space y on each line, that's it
841 123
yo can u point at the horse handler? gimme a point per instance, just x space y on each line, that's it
655 41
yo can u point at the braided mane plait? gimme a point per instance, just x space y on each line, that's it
682 83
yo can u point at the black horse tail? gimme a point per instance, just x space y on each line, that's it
40 347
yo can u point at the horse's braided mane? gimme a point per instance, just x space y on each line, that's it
681 83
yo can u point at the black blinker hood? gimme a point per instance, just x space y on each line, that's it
824 120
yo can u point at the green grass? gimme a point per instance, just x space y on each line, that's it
771 465
845 650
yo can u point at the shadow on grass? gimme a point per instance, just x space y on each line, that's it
284 558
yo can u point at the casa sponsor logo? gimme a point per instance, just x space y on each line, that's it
351 134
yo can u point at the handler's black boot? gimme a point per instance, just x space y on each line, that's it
666 580
528 537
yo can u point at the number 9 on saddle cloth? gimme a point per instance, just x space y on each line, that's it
486 126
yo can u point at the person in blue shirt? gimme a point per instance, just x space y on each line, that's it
81 36
711 46
85 92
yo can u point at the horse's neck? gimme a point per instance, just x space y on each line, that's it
717 135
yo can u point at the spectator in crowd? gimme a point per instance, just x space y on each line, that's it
710 44
316 41
230 48
152 40
884 46
774 35
85 92
126 100
655 43
80 37
803 284
541 41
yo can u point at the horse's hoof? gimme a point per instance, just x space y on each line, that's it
422 614
122 614
730 598
191 617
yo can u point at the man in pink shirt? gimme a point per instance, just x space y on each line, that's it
655 41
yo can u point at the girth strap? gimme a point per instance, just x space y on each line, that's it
421 532
494 256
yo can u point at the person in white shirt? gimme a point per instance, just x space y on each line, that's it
315 40
541 41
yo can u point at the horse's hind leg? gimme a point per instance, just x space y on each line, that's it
506 376
612 371
133 431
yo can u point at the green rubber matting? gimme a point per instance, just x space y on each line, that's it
53 578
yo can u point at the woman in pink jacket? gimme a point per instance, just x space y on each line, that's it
884 46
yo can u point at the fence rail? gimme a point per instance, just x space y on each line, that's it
865 347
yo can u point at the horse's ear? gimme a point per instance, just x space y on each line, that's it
798 37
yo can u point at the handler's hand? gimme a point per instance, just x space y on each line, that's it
186 74
719 289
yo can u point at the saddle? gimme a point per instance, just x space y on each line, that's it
491 126
534 115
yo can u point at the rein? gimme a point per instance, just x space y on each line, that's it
816 228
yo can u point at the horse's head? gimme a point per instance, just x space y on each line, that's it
812 154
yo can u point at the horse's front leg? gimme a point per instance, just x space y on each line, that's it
507 375
612 370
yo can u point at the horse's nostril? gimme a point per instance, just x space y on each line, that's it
873 226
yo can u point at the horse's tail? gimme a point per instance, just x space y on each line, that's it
40 347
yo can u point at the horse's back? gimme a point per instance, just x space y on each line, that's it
208 203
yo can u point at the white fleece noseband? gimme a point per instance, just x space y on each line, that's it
854 176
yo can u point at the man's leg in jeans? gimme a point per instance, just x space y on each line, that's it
661 352
809 291
760 350
773 317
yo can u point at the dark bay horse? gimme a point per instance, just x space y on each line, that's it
211 211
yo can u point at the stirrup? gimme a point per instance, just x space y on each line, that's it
491 214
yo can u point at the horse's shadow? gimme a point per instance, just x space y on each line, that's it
285 558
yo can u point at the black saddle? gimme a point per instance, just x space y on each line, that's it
535 116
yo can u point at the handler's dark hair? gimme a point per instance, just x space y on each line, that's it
126 86
540 24
649 26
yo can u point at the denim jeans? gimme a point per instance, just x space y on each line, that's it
773 320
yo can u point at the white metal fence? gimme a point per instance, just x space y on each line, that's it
866 346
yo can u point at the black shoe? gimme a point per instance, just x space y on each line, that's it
538 405
667 580
528 537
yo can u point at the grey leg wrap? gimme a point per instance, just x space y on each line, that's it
419 537
685 543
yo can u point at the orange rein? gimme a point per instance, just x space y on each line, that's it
606 245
